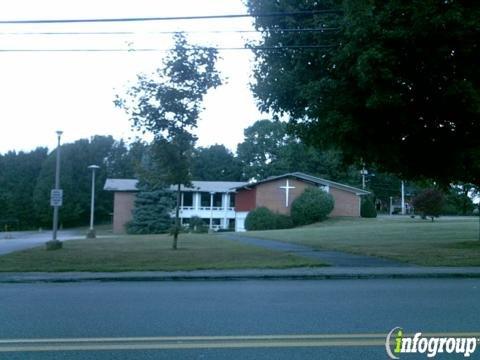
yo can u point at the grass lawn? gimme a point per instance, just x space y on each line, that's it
445 242
150 252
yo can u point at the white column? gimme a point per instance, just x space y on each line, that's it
225 209
211 209
196 200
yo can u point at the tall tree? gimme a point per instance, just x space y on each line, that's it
394 83
215 162
269 150
75 180
18 175
123 161
167 104
152 211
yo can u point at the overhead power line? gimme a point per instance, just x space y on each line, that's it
170 18
289 30
267 48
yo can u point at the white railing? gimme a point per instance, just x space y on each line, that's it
215 208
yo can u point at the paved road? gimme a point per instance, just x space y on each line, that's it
330 257
21 240
236 308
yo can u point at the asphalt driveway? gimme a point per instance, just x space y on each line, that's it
21 240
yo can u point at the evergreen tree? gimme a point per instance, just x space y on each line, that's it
152 212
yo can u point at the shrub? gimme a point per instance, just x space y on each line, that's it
429 203
283 221
312 206
260 219
264 219
367 209
197 225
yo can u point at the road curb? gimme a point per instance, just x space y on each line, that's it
92 277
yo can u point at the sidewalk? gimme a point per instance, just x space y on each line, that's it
321 273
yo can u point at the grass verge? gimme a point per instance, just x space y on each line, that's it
445 242
149 253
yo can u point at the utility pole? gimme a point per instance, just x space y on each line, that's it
391 205
91 232
364 173
56 200
403 197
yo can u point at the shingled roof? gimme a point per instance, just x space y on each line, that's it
310 179
130 185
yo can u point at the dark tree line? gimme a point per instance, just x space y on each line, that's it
26 179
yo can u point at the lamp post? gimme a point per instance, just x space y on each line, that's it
91 232
56 200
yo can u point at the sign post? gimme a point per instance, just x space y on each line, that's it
56 200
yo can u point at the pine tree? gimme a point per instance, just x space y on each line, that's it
152 212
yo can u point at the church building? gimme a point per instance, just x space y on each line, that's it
225 204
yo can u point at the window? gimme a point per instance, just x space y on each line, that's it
217 200
205 199
188 199
232 200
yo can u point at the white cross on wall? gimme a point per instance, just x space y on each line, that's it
287 188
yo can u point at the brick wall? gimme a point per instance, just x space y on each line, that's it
346 203
122 210
245 199
270 194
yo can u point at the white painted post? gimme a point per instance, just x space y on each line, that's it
211 209
225 208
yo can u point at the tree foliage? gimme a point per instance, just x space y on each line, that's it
367 208
394 83
167 104
313 205
269 150
18 175
75 180
429 203
215 163
152 211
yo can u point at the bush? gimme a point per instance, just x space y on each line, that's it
260 219
264 219
429 203
283 221
197 225
367 209
312 206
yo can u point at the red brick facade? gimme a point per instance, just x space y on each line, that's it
270 195
245 199
122 208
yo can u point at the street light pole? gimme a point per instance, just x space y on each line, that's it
54 243
91 232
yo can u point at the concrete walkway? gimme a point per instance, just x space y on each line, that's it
330 257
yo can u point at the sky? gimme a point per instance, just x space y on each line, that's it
41 92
